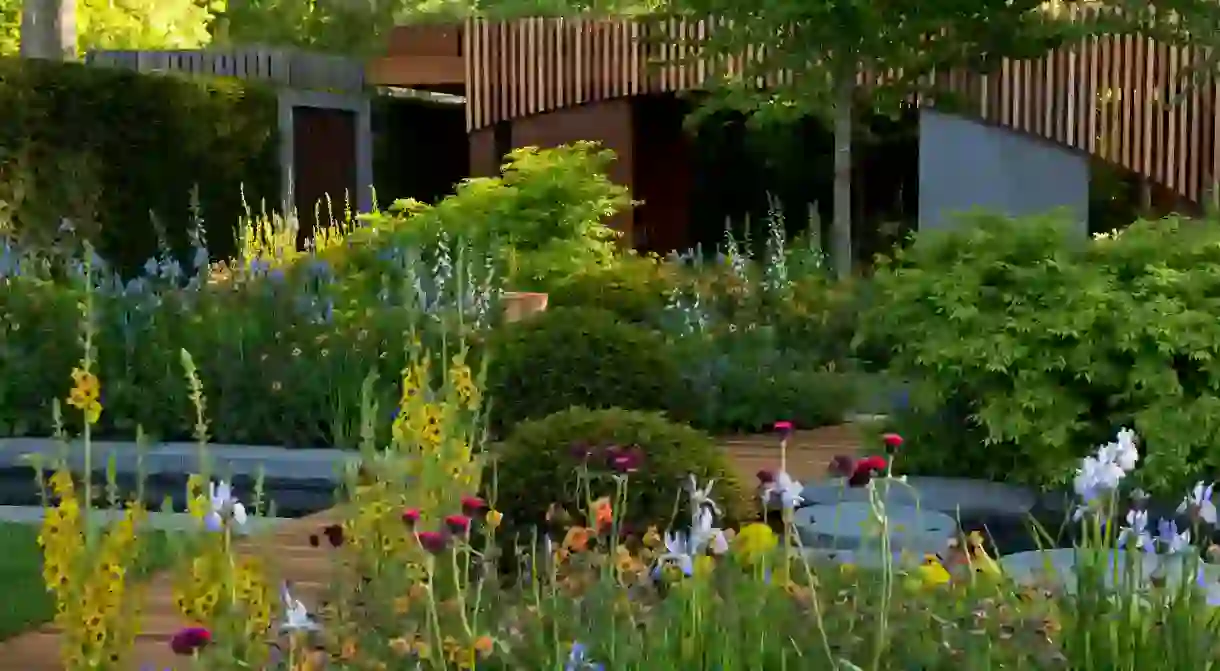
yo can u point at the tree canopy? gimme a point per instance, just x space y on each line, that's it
124 24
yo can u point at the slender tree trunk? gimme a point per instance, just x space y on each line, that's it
840 242
48 29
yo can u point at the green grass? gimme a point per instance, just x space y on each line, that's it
24 601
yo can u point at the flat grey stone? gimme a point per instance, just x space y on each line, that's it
156 520
861 559
1058 567
953 496
181 458
849 526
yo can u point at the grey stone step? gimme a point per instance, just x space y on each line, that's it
180 458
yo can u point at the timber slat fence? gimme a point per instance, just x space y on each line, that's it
1120 98
280 67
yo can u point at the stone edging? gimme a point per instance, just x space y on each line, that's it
250 461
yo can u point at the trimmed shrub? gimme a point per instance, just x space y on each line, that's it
577 357
104 148
541 461
1028 346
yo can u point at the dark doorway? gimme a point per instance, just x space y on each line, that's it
420 148
323 164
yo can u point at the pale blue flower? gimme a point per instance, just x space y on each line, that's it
578 660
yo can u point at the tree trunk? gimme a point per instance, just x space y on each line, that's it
48 29
840 242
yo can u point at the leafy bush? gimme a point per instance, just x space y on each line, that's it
635 288
1025 343
577 357
543 216
92 144
740 381
540 461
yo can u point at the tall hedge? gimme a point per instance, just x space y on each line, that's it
107 147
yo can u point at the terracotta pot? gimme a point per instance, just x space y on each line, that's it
521 304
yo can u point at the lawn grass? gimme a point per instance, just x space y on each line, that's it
24 601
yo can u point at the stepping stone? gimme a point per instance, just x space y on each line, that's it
1058 567
849 527
1187 564
962 497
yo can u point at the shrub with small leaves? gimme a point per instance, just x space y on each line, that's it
538 465
577 357
1022 336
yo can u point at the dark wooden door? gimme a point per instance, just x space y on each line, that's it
323 163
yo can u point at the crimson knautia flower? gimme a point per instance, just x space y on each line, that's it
334 534
433 541
473 505
410 516
783 428
892 442
457 524
624 459
190 640
857 471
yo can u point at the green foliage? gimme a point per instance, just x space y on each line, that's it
131 24
634 287
1039 345
92 145
743 382
539 464
543 215
577 356
278 366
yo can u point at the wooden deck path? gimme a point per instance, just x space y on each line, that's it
308 568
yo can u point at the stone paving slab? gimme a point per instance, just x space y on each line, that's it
952 496
178 458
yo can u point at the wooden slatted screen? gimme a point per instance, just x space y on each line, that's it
1117 97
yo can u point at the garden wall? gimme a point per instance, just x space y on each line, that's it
965 164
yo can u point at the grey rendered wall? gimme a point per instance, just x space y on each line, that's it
290 99
964 164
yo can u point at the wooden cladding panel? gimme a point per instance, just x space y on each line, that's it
1121 98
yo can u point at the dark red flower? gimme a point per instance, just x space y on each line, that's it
581 451
872 464
765 476
473 505
457 524
864 471
314 541
892 442
334 534
410 516
784 428
190 640
624 459
433 541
